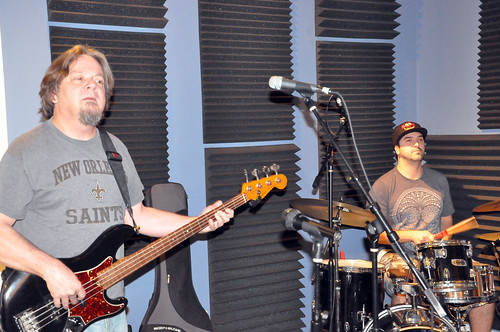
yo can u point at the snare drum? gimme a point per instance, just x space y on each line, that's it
447 265
483 292
355 292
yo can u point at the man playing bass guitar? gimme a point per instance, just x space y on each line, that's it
57 191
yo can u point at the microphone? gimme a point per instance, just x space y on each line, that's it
294 220
280 83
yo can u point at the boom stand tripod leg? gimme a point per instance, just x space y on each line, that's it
380 223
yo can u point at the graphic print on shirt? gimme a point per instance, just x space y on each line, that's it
418 208
88 214
98 192
74 168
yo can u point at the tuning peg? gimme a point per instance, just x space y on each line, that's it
255 173
266 171
275 168
246 174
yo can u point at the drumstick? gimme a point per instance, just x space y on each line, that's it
460 227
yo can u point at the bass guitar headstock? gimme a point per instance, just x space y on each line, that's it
257 189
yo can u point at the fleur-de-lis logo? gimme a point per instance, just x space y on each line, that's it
98 192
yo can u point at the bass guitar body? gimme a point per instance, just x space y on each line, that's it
27 306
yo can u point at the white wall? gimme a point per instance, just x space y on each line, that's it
405 62
26 56
447 66
304 69
437 55
185 126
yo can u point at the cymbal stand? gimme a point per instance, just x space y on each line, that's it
373 236
318 239
332 245
381 224
333 248
316 321
333 273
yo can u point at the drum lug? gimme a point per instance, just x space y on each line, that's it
446 273
429 263
441 253
473 274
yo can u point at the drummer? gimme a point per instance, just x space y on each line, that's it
417 204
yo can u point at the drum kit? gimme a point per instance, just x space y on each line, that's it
458 282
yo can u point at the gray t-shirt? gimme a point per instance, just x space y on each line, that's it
414 204
61 191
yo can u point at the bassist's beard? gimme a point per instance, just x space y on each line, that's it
89 116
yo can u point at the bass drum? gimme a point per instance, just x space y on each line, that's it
405 318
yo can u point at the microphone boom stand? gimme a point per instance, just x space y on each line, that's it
380 223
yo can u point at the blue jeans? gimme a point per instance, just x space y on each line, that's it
114 324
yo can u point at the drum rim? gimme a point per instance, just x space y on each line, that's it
469 299
449 285
351 263
397 308
443 243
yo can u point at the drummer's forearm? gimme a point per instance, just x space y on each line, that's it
404 236
383 239
407 236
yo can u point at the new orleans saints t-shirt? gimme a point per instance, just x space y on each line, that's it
61 191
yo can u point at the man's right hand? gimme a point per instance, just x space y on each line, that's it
19 254
63 285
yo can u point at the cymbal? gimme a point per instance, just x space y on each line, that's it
350 215
491 237
488 207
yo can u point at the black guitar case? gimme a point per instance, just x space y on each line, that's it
174 305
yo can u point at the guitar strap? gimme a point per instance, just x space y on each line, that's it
115 162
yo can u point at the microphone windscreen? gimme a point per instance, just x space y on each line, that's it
290 220
275 82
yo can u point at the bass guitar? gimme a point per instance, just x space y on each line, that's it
27 306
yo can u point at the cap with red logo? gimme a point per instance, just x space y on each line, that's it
406 128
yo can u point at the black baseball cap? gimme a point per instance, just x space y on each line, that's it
406 128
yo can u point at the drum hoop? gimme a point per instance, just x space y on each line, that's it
385 312
443 243
354 264
355 269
